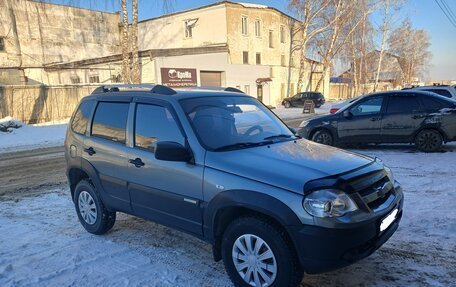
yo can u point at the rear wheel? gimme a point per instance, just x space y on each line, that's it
255 252
92 214
323 137
428 141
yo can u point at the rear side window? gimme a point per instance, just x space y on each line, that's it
110 121
403 104
81 117
432 105
153 124
441 92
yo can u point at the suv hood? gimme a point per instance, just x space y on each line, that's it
288 165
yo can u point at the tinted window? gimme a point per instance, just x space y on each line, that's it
81 117
441 92
403 104
431 104
367 107
153 124
110 121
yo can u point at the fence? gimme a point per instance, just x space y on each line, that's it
39 103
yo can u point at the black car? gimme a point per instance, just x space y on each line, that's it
299 99
408 116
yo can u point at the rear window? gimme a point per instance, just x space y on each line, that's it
81 117
110 121
403 104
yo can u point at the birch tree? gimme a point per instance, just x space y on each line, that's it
124 44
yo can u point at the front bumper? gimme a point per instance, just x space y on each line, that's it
323 249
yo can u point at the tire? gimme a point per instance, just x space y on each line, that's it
92 214
428 141
283 268
323 137
287 105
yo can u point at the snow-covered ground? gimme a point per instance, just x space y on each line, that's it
43 244
31 136
292 113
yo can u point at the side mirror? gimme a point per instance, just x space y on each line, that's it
294 131
172 151
347 114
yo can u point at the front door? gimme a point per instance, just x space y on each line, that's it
363 124
260 93
167 192
402 119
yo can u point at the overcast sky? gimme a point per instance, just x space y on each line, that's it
424 14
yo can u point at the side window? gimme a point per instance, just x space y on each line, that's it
154 124
370 106
431 104
110 121
441 92
403 104
81 117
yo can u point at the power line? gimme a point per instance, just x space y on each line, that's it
450 11
445 12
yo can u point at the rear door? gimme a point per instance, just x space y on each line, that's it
364 123
105 149
403 117
164 191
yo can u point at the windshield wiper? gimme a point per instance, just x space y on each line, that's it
242 145
278 137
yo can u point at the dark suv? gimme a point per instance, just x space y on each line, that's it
407 116
299 99
222 167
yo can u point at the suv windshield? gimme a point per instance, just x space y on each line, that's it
225 123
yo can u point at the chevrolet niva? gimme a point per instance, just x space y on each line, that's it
221 166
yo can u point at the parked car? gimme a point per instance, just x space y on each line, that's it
221 166
443 90
299 99
335 107
408 116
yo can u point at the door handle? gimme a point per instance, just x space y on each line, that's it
137 162
374 119
90 151
415 117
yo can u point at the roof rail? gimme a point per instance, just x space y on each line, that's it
156 89
210 88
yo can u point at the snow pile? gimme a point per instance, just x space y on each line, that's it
293 113
19 136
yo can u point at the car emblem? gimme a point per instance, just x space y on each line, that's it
382 189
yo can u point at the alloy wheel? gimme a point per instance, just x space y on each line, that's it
428 141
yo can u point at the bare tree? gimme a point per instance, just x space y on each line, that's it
388 10
124 44
136 76
412 48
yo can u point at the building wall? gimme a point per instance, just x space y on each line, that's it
38 33
169 31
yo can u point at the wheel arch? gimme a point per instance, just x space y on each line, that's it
85 171
435 128
328 129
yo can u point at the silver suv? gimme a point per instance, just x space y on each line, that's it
221 166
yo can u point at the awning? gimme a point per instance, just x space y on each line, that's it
261 81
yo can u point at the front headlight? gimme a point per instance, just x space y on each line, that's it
303 123
389 173
328 203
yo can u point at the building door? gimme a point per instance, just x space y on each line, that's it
211 79
260 93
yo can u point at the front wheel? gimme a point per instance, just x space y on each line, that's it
255 252
323 137
428 141
287 104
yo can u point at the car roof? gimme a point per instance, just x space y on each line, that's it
405 93
147 91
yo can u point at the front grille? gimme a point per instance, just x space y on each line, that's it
374 189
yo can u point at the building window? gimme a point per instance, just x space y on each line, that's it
2 44
258 58
189 25
244 24
94 79
258 27
116 79
283 60
75 79
247 89
282 34
271 39
245 57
